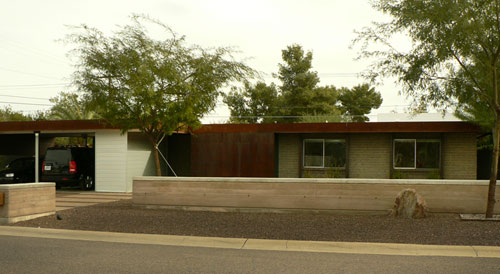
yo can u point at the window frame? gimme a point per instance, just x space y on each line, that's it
323 141
415 142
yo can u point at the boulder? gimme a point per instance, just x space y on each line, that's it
409 204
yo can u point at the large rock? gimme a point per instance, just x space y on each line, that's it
409 204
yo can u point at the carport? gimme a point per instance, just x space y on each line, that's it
32 138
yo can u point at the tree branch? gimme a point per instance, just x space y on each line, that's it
482 92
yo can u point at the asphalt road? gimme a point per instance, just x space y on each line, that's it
40 255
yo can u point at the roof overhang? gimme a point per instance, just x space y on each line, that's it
369 127
54 126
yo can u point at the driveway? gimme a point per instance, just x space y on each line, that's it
71 199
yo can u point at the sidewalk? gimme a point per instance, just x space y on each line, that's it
258 244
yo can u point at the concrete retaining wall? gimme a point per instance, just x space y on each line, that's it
450 196
27 201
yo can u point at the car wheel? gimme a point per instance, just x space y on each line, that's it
88 183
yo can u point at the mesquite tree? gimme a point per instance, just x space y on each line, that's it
453 59
156 85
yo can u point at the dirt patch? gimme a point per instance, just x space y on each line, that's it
122 217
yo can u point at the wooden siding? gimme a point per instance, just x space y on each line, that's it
232 155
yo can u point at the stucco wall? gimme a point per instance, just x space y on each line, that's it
289 155
459 156
369 156
140 159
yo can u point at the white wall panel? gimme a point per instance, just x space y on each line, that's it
110 161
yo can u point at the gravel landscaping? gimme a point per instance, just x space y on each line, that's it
121 216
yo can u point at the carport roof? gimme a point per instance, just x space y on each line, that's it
30 126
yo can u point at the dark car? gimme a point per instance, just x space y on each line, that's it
20 170
69 166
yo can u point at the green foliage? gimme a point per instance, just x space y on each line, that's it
453 60
398 174
134 81
333 173
298 81
454 44
7 114
307 174
434 175
357 102
253 104
69 106
299 98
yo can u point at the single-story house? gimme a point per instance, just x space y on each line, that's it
382 150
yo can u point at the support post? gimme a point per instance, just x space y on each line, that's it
37 156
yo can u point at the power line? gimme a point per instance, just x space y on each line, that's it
32 88
24 97
34 85
283 116
324 74
36 52
30 104
27 73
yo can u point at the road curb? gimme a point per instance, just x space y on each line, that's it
257 244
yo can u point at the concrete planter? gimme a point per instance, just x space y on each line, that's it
275 194
27 201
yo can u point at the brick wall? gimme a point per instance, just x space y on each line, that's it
289 155
369 156
459 154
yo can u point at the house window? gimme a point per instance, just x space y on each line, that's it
321 153
416 153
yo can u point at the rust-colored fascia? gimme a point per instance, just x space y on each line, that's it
55 125
369 127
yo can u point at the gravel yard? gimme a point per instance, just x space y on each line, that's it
122 217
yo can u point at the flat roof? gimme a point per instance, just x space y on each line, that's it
54 125
368 127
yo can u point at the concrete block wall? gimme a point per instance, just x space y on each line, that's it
289 155
27 201
459 154
369 156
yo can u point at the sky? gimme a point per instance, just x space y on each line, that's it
35 66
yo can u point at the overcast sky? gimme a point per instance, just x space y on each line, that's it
34 64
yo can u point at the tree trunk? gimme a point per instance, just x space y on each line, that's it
157 158
490 207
